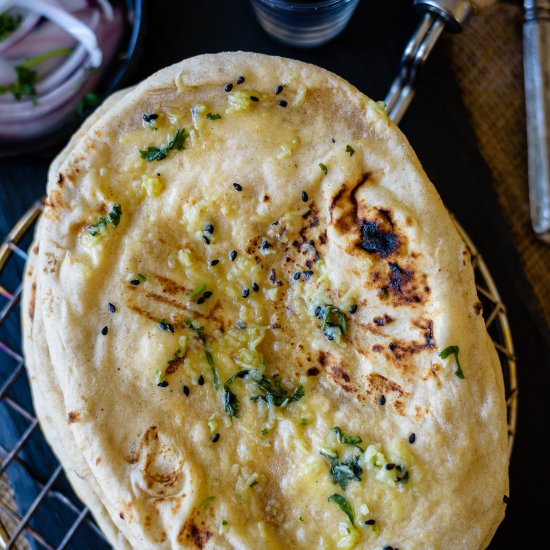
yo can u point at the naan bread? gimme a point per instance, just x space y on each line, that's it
204 406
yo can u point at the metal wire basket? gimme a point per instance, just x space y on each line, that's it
54 500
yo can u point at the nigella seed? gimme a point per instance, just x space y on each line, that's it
104 330
241 324
209 228
200 380
201 300
390 466
245 293
387 548
233 255
206 239
370 522
278 89
412 438
282 103
254 99
111 307
353 309
265 245
297 275
170 328
186 391
255 287
150 117
215 438
238 186
381 400
307 274
318 312
240 79
162 325
228 87
134 282
162 384
305 197
207 294
214 262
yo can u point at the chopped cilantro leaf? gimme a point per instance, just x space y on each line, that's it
197 291
9 22
205 502
177 143
112 217
231 403
86 103
346 439
275 393
213 116
141 277
342 472
344 505
453 350
323 168
350 150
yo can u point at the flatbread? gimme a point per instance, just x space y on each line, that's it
349 282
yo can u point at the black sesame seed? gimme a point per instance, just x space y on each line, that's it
162 325
254 98
238 186
206 239
278 89
162 384
390 466
215 438
245 293
228 87
255 287
111 307
305 197
170 328
307 274
381 400
186 391
353 309
370 522
233 255
240 79
134 282
201 300
149 117
207 294
104 330
297 275
282 103
209 228
412 438
506 499
265 245
214 262
200 380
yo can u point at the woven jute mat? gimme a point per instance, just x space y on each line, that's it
487 60
8 523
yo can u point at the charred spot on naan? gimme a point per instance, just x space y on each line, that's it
73 416
402 285
195 530
32 300
378 385
336 372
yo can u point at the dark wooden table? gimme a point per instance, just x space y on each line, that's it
367 54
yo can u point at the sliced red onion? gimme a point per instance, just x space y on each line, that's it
68 22
18 115
30 19
7 73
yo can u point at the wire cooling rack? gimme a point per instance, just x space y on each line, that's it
31 524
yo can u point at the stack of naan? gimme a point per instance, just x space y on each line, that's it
250 322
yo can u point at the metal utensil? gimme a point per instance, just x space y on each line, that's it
438 15
536 60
